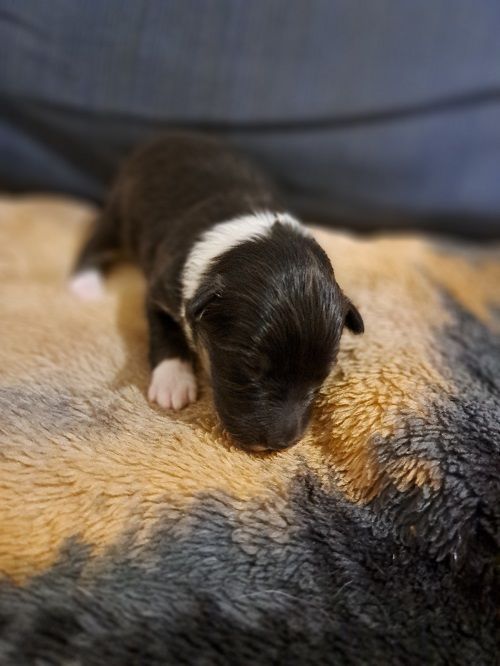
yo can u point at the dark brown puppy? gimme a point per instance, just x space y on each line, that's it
231 277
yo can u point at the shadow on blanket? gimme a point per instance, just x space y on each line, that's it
132 536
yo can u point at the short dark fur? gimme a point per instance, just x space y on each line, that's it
268 312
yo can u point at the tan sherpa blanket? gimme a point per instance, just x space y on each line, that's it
132 535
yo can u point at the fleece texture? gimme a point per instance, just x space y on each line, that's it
129 535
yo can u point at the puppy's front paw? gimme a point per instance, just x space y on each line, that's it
87 285
173 384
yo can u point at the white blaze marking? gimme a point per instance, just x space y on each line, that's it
223 237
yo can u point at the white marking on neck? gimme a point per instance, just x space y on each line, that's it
223 237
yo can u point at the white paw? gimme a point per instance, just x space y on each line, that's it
173 384
87 285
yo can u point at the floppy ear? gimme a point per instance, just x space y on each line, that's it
353 320
204 296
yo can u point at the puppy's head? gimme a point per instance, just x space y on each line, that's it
270 314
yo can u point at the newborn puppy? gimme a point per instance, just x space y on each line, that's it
231 277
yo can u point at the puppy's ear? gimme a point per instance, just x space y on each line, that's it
353 319
206 293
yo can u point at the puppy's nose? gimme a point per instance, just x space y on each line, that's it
277 444
284 438
281 444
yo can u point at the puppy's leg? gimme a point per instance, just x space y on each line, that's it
100 250
173 384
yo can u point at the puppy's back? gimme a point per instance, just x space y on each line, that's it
186 169
182 183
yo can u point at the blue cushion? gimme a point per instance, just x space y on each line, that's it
358 109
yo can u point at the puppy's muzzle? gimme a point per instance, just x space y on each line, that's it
283 434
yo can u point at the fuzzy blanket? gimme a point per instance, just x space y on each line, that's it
133 536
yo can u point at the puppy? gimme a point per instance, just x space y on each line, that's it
232 277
